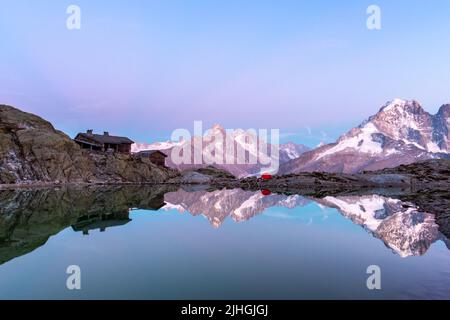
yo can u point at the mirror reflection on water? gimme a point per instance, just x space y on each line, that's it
165 242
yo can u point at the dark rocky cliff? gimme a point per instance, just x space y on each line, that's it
33 151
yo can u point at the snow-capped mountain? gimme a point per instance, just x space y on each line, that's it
287 152
290 151
161 146
401 226
402 132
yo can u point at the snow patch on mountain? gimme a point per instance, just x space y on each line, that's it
362 142
292 150
247 205
170 206
365 209
161 146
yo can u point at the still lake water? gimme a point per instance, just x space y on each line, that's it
156 243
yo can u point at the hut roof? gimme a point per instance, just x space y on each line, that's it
150 152
102 138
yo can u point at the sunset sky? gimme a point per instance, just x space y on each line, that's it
144 68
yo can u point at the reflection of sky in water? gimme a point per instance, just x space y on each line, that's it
305 252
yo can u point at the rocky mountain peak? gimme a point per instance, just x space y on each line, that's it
217 129
444 110
400 105
289 144
406 121
400 112
401 132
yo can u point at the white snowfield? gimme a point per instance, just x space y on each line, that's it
362 142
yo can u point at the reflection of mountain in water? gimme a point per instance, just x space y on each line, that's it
217 205
29 217
402 227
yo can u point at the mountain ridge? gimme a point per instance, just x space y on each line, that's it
401 132
287 151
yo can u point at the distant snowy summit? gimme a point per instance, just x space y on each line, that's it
287 152
401 132
161 146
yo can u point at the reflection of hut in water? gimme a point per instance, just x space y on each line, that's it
101 221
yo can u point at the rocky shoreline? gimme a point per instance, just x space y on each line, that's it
429 174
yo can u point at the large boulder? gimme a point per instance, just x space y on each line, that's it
32 150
